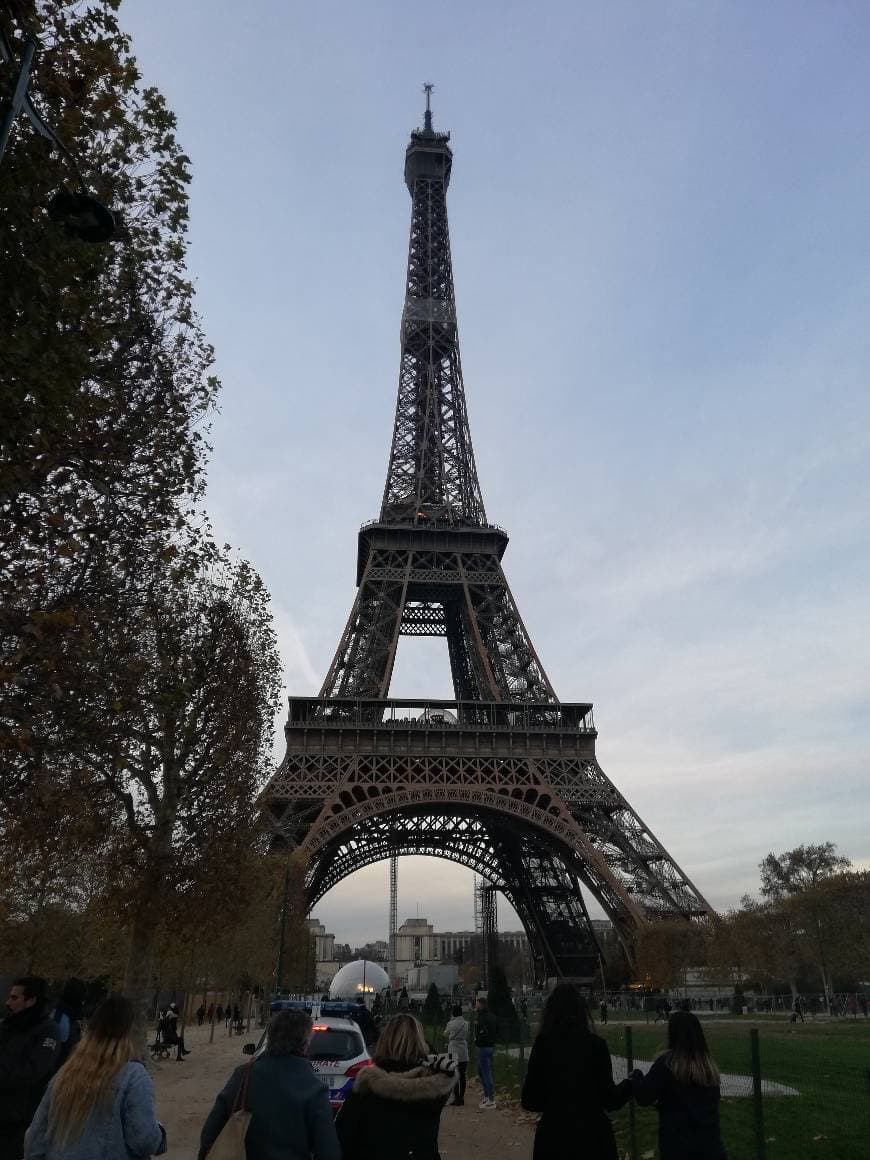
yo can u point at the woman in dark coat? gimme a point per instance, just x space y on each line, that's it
570 1082
394 1109
683 1083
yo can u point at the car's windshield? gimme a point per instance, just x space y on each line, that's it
331 1044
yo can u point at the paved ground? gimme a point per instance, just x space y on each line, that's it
186 1092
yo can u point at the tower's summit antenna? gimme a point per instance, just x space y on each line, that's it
427 89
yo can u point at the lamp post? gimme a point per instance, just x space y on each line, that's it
78 212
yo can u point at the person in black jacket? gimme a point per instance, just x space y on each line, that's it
394 1109
363 1019
29 1049
570 1081
485 1030
683 1083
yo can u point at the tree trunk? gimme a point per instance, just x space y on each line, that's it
147 913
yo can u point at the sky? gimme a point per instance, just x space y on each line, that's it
661 244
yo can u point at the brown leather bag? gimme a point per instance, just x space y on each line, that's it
230 1144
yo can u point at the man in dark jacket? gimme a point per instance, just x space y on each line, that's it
363 1019
29 1051
485 1029
290 1114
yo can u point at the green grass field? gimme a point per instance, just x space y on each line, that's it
828 1063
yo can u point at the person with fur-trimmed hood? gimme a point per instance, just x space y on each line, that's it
394 1109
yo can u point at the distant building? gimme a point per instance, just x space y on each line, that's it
415 943
324 942
420 946
325 962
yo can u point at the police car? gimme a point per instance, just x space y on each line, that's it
337 1052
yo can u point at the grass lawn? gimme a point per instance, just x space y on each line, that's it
828 1063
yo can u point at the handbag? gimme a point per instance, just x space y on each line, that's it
230 1144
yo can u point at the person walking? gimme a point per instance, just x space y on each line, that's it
209 1015
394 1109
100 1105
363 1019
67 1014
570 1082
683 1083
290 1114
485 1030
29 1050
603 1009
797 1010
219 1013
200 1014
456 1032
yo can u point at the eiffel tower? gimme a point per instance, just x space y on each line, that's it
503 779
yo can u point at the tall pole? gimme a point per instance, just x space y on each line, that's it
394 919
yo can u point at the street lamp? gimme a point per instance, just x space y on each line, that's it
79 212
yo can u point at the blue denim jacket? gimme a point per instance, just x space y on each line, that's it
128 1130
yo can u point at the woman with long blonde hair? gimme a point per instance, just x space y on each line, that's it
683 1083
395 1107
100 1105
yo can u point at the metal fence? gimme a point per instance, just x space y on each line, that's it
787 1090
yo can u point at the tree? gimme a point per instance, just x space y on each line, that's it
790 879
104 379
799 869
805 925
664 951
138 670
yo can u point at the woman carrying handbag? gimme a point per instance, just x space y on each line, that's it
275 1107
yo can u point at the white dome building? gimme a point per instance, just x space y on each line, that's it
361 977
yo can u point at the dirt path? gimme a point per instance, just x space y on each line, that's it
186 1092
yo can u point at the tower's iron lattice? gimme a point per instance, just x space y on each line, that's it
502 779
488 931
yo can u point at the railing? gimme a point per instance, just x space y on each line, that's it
397 713
441 525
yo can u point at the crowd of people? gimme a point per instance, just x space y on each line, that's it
72 1095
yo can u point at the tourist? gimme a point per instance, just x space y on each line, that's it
570 1082
485 1030
683 1083
67 1014
377 1010
395 1106
289 1106
101 1102
456 1032
29 1051
169 1033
